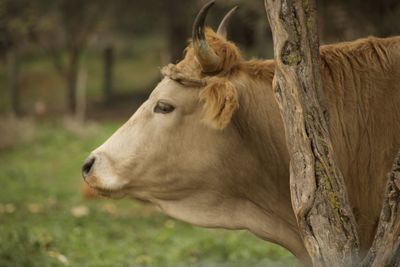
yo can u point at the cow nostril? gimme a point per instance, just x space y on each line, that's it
87 166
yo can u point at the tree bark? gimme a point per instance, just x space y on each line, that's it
13 73
318 193
72 79
263 40
108 73
175 11
81 88
385 250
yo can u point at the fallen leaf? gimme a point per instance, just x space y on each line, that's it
7 208
60 257
80 211
35 208
144 260
52 201
110 208
169 224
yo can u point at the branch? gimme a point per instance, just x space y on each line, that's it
318 192
57 60
385 250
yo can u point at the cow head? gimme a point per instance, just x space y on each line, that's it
181 149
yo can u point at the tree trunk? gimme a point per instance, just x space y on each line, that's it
263 40
81 86
318 193
72 79
108 73
385 250
176 28
13 86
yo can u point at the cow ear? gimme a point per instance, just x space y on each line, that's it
220 102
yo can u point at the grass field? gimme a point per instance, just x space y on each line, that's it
45 222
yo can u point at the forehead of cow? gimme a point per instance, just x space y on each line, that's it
188 71
174 73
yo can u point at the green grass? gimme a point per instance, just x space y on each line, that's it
40 183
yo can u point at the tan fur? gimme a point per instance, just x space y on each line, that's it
220 101
238 178
87 192
226 50
219 95
340 64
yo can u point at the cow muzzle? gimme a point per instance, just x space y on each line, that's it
98 171
87 166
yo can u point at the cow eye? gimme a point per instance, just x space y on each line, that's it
163 108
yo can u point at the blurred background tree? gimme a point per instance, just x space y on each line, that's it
64 31
17 23
110 36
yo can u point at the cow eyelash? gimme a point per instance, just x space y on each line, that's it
163 108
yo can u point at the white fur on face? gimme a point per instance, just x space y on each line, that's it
176 160
143 151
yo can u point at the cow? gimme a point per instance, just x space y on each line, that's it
208 146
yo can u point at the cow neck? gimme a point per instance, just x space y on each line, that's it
259 123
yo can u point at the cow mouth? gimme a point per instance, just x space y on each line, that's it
106 192
115 194
102 191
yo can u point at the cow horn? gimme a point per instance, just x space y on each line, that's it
222 28
206 56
